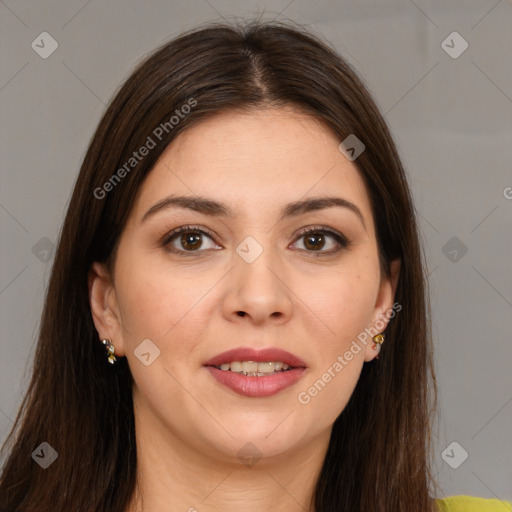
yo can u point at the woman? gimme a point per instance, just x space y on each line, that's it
239 247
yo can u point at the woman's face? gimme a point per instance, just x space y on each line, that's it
252 280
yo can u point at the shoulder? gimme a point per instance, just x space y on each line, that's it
472 504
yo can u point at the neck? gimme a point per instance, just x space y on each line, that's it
173 475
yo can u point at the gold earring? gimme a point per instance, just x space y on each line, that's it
110 351
378 340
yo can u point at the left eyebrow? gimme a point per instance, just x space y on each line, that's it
214 208
319 203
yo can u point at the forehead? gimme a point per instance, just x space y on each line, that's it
255 162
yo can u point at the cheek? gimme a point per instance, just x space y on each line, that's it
166 307
343 303
326 393
346 309
155 302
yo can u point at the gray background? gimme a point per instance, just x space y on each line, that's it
451 118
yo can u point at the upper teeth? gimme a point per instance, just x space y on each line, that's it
254 369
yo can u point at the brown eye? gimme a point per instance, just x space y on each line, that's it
186 239
316 239
191 241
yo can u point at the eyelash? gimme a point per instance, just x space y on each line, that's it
338 237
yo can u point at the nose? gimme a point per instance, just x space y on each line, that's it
259 291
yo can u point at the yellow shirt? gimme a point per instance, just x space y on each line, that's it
472 504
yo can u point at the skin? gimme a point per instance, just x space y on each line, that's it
189 427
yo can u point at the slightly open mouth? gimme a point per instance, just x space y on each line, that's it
255 369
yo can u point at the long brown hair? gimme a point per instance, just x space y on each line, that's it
379 452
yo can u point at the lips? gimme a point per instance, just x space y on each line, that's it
256 355
260 386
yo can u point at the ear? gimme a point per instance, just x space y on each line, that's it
104 307
383 306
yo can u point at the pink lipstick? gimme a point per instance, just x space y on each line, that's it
256 373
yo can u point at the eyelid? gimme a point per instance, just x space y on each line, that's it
320 229
338 237
184 229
